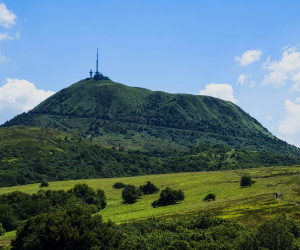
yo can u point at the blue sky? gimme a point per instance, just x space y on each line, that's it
243 51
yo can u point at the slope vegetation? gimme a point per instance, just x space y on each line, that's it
29 155
135 118
249 205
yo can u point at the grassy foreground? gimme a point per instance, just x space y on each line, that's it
249 206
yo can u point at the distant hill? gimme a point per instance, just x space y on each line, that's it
134 118
29 155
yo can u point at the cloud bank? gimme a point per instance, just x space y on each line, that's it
248 57
223 91
20 96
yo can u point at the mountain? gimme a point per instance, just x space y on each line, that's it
134 118
32 154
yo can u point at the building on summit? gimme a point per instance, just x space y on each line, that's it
98 75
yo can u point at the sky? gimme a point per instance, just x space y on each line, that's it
246 52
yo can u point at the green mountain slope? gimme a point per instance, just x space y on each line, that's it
135 118
29 155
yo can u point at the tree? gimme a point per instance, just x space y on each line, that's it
210 197
149 188
119 185
44 184
74 229
89 195
169 197
130 194
246 181
278 233
2 230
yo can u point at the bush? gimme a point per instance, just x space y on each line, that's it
149 188
246 181
130 194
2 230
279 232
210 197
169 197
44 184
89 195
74 229
119 185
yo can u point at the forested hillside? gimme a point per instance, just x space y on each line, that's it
133 118
29 155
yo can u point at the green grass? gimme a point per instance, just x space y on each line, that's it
6 239
248 205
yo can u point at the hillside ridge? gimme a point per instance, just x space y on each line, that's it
114 114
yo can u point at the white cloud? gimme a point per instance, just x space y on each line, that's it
222 91
290 61
17 35
21 95
287 68
269 117
7 17
243 79
248 57
5 37
276 78
295 87
296 77
251 84
290 125
3 58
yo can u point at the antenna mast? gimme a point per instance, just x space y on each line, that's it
97 62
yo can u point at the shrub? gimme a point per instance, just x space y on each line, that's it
130 194
75 228
89 195
44 184
149 188
246 181
2 230
169 197
119 185
210 197
279 232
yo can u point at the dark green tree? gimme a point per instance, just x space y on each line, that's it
169 197
130 194
71 229
149 188
44 184
2 230
246 181
279 233
210 197
89 195
119 185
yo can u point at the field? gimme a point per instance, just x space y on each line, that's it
248 205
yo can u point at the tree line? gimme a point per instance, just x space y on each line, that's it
76 228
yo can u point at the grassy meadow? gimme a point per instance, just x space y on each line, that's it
248 205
